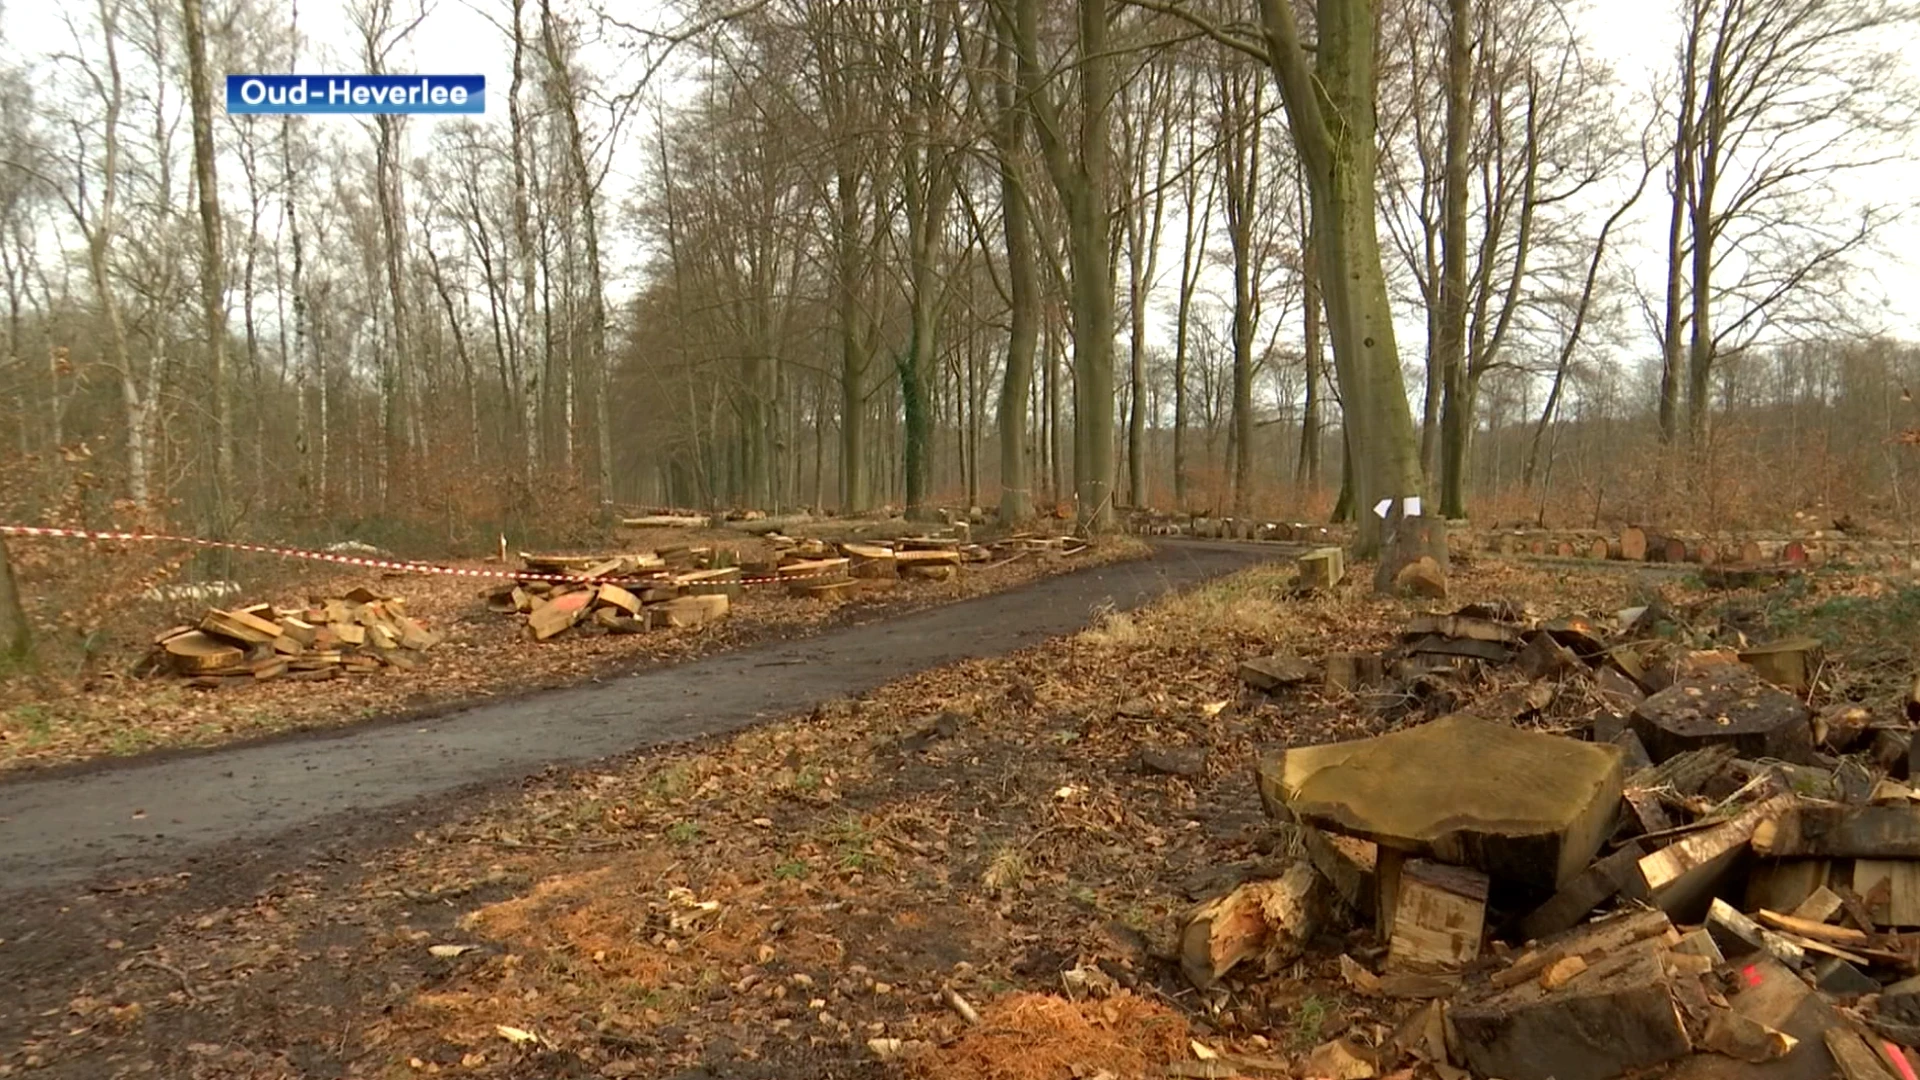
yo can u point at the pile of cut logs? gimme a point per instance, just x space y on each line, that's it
690 585
360 632
1605 853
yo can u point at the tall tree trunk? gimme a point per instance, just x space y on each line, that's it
586 192
1330 108
529 372
1307 472
1193 257
1673 374
212 263
1456 415
1081 174
1240 105
1023 294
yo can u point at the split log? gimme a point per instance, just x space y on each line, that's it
1739 936
1438 917
551 619
1527 808
1322 569
1271 920
1616 1016
1790 664
244 627
1683 876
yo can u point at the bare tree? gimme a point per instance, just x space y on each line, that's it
1775 102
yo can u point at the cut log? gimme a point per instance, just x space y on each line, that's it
821 590
822 568
1606 878
1439 917
929 571
870 560
905 559
1618 1015
1683 876
241 626
686 611
196 653
1527 808
550 620
1725 706
1790 664
1322 569
613 596
1271 920
1633 544
1843 832
1277 671
724 580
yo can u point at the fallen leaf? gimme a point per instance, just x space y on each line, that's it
516 1036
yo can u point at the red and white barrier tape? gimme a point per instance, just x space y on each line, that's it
409 566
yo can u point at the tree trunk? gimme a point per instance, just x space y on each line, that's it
1080 172
1331 113
1450 346
16 634
212 264
1240 160
1023 295
1307 474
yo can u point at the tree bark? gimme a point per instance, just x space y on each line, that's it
1330 106
1080 169
1023 292
16 634
213 306
1450 346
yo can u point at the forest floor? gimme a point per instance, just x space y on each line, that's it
806 898
485 656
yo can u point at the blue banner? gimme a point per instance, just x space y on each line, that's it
431 95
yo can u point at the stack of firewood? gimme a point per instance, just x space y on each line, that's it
360 632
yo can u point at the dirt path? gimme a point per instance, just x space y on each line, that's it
149 817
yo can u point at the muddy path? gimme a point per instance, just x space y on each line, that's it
119 822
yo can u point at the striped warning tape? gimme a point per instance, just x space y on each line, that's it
408 566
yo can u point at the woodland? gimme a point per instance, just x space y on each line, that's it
1079 258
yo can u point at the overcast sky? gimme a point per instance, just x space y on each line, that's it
1636 37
